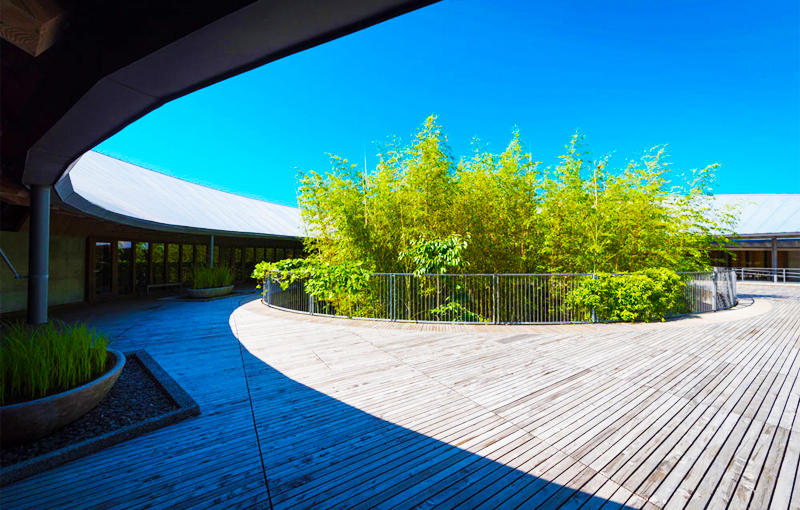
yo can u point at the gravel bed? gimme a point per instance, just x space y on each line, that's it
135 397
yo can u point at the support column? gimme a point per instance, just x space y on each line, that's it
775 259
211 252
38 254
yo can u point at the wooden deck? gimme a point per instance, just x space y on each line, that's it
309 414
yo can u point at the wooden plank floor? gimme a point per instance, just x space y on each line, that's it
319 414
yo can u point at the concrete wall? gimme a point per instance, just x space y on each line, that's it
67 270
793 260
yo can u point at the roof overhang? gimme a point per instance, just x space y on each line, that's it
767 236
110 189
117 62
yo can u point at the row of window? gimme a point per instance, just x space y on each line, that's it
749 258
142 263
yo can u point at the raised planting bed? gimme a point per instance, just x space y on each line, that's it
144 398
235 293
209 293
27 421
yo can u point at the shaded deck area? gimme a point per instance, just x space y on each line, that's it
307 414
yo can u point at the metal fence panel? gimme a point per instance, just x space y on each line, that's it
484 298
768 274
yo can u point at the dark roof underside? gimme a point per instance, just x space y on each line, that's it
117 61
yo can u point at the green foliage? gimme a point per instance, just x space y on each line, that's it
344 285
581 216
211 277
284 271
457 312
649 296
39 361
436 256
341 284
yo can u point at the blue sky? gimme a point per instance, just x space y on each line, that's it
719 82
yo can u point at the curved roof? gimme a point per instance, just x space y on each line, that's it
765 215
106 187
119 191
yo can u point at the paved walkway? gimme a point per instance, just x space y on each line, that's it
694 415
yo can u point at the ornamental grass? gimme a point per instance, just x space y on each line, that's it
211 277
39 361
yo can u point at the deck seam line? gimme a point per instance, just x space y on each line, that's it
250 397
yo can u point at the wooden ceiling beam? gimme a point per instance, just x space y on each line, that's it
12 191
31 25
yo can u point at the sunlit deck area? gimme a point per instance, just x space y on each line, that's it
305 413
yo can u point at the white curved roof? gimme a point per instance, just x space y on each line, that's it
107 187
765 214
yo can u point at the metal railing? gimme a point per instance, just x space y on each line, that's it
485 298
768 274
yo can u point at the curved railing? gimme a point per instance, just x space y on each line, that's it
485 298
768 274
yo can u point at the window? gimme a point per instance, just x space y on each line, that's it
173 263
201 254
142 263
225 258
124 267
237 264
103 267
187 259
249 265
158 263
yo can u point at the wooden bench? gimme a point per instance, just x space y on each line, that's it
164 285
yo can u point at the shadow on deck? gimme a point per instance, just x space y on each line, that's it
317 451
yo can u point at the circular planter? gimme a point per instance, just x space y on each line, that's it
209 293
27 421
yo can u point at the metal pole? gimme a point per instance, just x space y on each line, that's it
211 252
775 259
496 296
594 311
714 297
391 297
38 254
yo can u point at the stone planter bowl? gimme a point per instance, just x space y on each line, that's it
209 293
27 421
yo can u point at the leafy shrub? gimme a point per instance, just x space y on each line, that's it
284 271
344 285
211 277
583 215
37 362
457 312
630 297
436 256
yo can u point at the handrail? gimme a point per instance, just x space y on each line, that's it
11 266
484 298
776 274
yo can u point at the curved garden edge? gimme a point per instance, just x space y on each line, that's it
209 293
33 419
186 407
747 308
